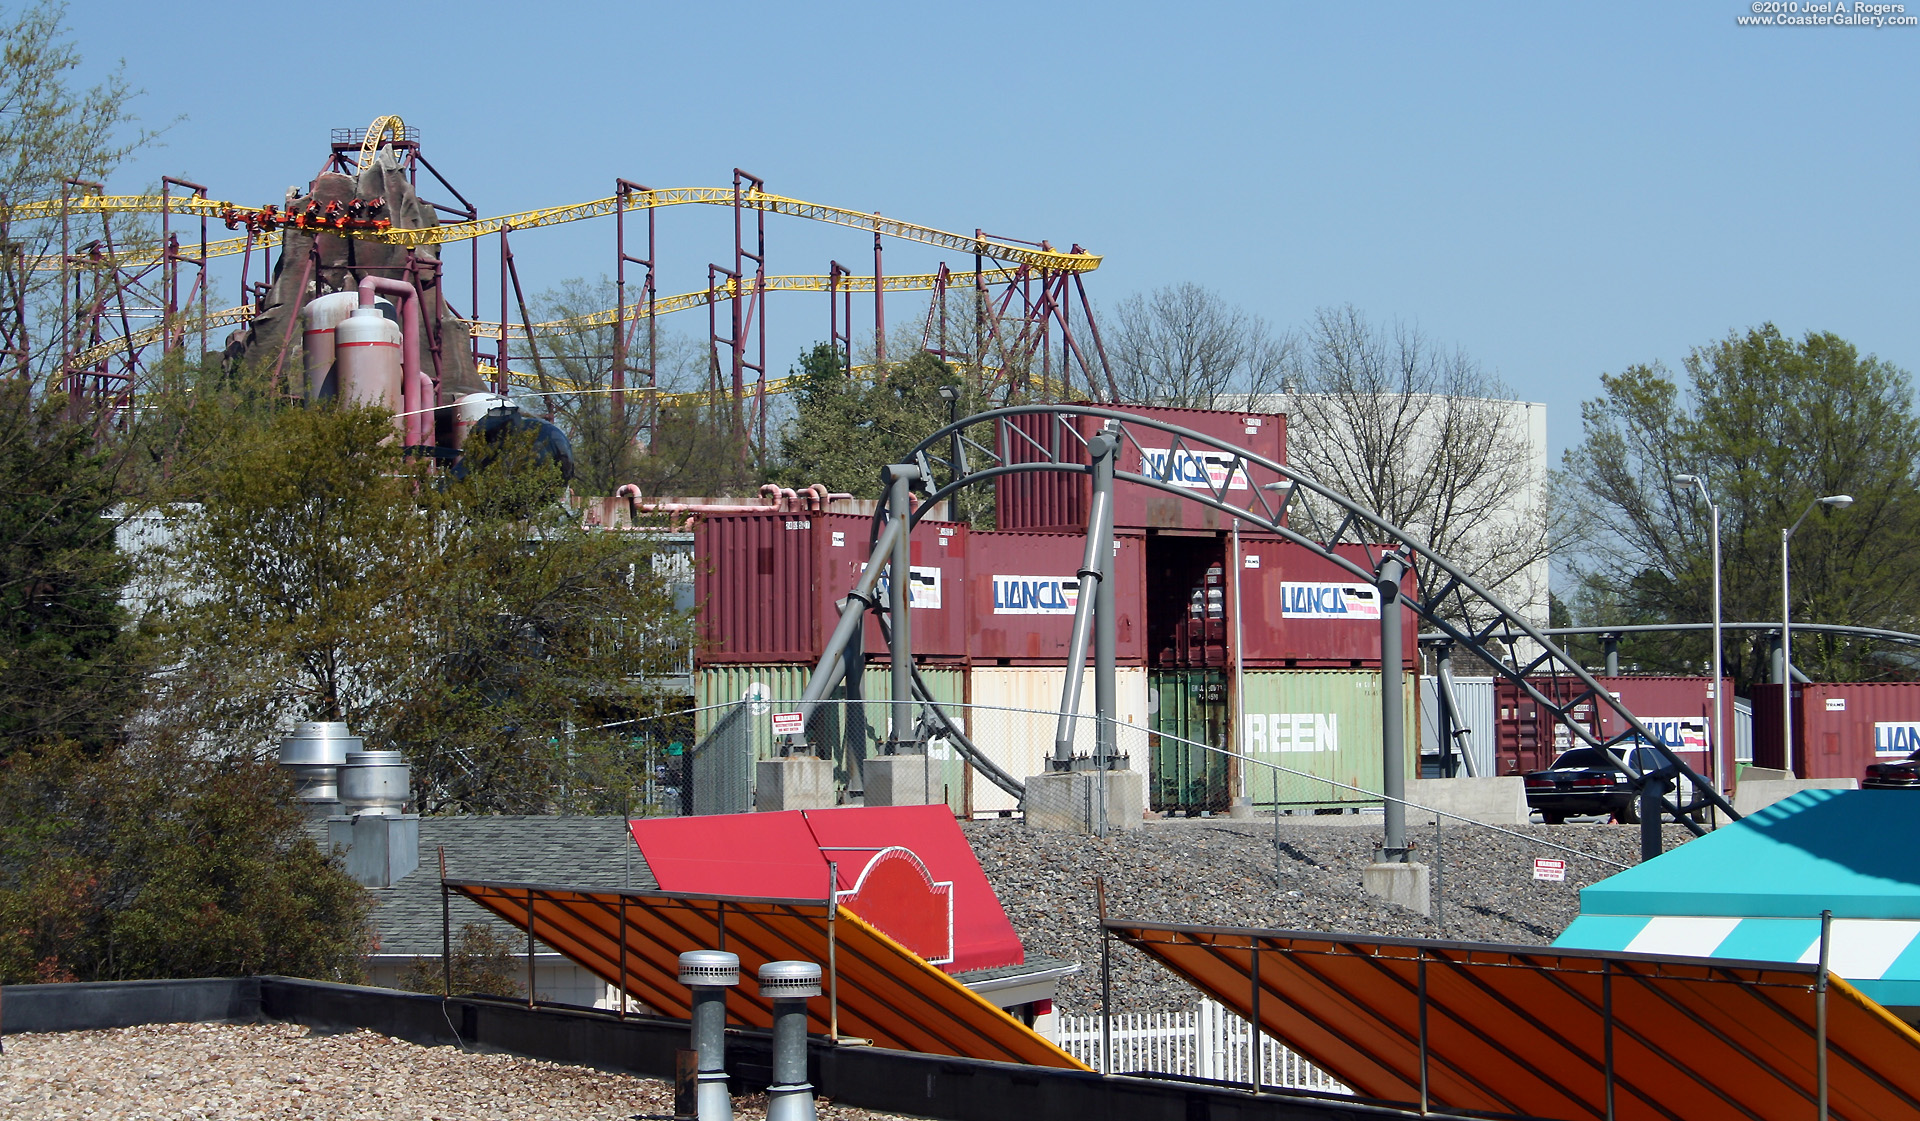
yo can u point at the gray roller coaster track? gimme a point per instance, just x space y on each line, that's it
1039 438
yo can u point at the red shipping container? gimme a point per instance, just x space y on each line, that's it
1838 727
1678 709
1059 500
1303 610
1024 588
768 586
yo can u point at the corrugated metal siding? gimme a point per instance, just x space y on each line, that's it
1276 635
758 582
1189 707
768 585
1014 712
1053 500
1474 710
1839 728
1325 723
1530 737
1742 730
1017 589
853 731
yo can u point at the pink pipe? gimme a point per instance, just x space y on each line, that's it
770 495
416 425
630 492
789 501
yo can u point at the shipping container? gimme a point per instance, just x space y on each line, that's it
1058 500
851 731
1189 708
1015 712
1838 728
1318 725
1678 709
1025 587
1474 724
769 585
1302 610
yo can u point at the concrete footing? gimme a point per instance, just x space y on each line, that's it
1499 800
898 780
798 782
1755 793
1067 801
1402 884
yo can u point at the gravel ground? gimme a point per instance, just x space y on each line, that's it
230 1072
1212 871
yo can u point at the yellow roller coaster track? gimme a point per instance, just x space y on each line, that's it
560 328
1050 259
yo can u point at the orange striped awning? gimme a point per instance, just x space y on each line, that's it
885 994
1554 1033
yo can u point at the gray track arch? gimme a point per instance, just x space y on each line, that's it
1053 438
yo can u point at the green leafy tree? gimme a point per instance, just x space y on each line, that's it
474 624
483 962
69 669
844 430
157 860
1772 423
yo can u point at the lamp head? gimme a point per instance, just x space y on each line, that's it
949 392
1686 480
1837 501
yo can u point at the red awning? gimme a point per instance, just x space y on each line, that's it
947 911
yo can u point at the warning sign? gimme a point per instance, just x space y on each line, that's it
1544 867
788 724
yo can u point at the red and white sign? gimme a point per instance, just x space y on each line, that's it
788 724
1547 868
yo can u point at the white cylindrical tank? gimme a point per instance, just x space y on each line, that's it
323 314
367 359
472 409
374 783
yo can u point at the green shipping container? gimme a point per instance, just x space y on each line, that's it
1318 724
1188 707
854 731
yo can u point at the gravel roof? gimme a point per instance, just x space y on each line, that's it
1212 871
573 851
231 1071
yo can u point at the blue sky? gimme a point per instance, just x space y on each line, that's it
1560 190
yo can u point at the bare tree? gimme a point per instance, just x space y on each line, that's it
1431 441
1185 347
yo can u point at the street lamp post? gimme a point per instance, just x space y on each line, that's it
1838 501
1719 702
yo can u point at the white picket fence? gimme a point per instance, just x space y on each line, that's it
1205 1042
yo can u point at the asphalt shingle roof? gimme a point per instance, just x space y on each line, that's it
572 851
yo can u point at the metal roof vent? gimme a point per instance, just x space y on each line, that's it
313 752
374 783
789 980
709 967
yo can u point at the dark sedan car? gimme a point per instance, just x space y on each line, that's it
1893 776
1587 781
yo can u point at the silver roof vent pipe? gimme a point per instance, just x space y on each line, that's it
374 783
709 974
788 984
379 839
313 753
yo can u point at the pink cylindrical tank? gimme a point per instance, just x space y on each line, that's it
323 314
367 359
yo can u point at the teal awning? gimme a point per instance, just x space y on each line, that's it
1753 891
1853 852
1880 956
